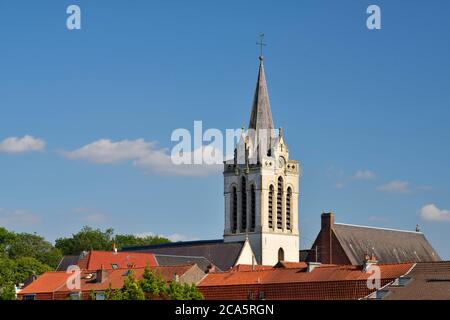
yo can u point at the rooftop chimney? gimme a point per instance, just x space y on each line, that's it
369 261
114 248
101 275
326 238
211 268
312 266
327 220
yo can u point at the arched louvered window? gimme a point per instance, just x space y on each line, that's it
271 192
280 254
288 208
243 205
252 208
280 203
234 213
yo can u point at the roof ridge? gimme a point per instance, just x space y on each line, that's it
120 252
378 228
176 255
178 243
396 263
135 268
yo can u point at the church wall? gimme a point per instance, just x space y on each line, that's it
246 256
272 162
273 242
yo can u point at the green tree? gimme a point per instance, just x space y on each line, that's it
26 266
127 240
8 292
191 292
7 278
178 291
86 239
131 289
175 291
111 294
153 283
6 238
18 245
95 239
22 255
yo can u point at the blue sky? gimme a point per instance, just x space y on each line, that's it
349 100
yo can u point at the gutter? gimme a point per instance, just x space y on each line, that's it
390 283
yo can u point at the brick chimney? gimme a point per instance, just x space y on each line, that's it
327 220
369 261
211 268
325 249
101 275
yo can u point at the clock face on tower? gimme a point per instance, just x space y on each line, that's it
281 162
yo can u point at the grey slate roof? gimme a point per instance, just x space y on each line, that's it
221 254
388 245
426 281
171 260
303 255
261 115
67 261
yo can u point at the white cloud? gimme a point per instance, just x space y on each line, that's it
176 237
145 155
91 215
365 175
395 186
432 213
378 219
95 218
333 171
179 237
20 145
108 152
424 187
18 218
339 185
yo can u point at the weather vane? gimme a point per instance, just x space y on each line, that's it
261 44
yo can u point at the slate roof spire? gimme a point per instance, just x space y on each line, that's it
261 115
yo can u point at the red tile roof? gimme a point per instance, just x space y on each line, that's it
249 267
105 259
286 264
51 282
47 282
325 282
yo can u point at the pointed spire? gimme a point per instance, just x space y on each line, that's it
261 116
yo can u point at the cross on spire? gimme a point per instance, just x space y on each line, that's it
262 45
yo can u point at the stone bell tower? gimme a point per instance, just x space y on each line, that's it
261 187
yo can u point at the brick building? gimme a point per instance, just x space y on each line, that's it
94 283
340 243
297 281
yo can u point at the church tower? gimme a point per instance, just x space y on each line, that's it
261 187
